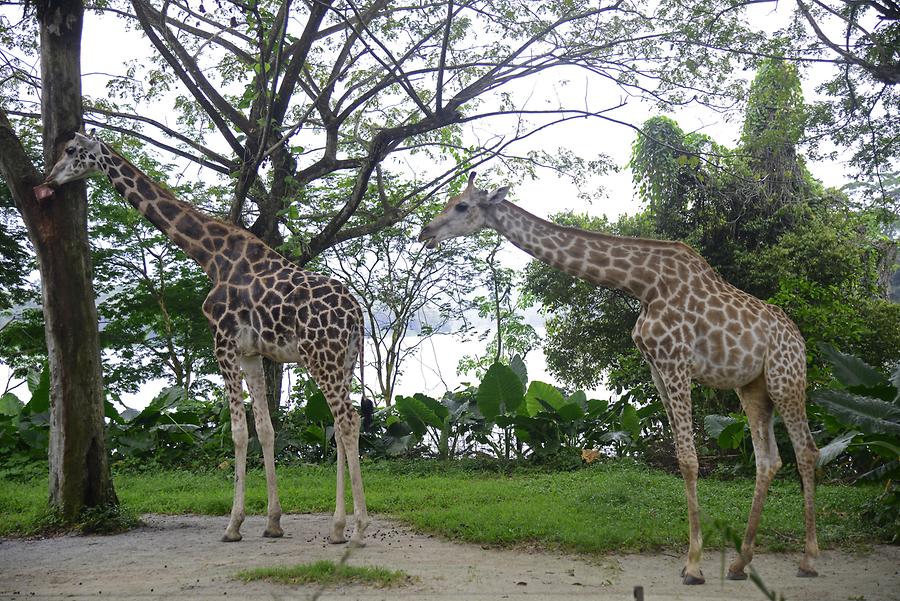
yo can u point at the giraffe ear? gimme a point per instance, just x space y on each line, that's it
498 195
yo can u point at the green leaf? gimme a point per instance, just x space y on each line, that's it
417 415
579 398
732 435
616 436
313 434
714 424
33 378
833 449
10 405
541 391
40 394
630 421
570 412
518 366
870 415
878 446
317 409
500 391
439 409
852 371
597 407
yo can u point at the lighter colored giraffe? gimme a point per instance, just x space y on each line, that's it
692 325
260 305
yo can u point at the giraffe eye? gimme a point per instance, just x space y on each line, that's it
461 207
70 150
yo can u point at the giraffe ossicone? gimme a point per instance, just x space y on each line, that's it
260 305
693 325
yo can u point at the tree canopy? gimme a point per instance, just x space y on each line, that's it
759 218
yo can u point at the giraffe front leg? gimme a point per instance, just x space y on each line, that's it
239 436
674 388
339 521
256 382
687 461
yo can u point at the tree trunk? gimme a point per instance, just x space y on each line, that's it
274 373
79 469
266 229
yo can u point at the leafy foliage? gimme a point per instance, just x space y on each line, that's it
24 428
863 416
759 219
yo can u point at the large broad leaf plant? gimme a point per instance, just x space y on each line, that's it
862 414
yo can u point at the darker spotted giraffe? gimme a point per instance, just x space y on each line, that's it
693 325
260 305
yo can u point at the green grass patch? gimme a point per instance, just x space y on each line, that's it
327 573
614 506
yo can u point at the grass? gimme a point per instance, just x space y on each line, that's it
615 506
327 573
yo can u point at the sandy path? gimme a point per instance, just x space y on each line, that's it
180 557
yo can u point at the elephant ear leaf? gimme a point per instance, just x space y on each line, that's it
714 424
500 392
317 409
867 414
543 397
857 375
417 415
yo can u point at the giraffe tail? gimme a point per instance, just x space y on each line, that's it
366 406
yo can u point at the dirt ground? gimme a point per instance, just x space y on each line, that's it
180 557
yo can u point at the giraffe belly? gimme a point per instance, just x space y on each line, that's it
728 370
253 342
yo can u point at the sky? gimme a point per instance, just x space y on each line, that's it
107 50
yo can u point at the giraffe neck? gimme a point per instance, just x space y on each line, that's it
632 265
223 251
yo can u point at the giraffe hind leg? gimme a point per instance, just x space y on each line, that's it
789 395
759 409
807 454
339 520
351 446
336 388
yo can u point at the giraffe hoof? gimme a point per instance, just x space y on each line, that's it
231 538
273 533
334 540
690 578
807 573
737 575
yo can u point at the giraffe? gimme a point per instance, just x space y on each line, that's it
260 305
693 325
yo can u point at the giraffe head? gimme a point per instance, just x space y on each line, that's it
464 214
80 158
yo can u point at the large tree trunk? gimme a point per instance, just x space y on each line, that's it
79 470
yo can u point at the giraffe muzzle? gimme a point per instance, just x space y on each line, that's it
428 238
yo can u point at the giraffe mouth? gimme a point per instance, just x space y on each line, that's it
429 239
